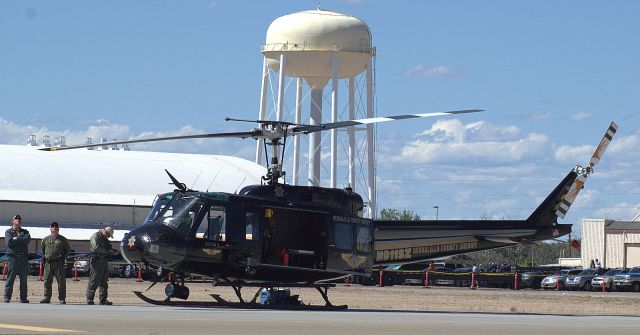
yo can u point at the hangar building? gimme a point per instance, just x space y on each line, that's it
614 243
85 190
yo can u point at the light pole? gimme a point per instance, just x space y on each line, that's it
436 207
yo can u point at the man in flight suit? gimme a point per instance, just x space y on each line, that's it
17 240
100 251
55 249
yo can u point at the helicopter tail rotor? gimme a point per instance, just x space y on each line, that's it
584 172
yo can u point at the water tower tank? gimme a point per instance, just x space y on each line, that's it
310 38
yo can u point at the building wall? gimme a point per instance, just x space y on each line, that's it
35 213
616 247
77 246
593 242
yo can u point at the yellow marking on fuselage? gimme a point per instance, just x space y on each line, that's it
38 329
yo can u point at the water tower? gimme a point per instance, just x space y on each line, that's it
318 46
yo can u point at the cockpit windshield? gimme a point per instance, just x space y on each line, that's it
158 205
180 212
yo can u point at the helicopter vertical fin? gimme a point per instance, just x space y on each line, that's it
546 213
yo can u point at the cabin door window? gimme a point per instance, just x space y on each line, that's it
212 225
344 236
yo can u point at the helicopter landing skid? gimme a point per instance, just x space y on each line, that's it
253 304
322 288
169 302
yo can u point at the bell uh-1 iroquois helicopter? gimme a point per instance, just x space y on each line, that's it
278 235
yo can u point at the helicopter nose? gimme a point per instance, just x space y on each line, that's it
133 247
155 244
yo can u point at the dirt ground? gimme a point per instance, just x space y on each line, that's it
408 298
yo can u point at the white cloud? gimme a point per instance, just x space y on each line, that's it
623 149
431 72
570 154
625 146
620 211
586 198
12 133
533 116
539 116
581 116
451 141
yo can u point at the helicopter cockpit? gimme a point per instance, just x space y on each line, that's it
180 212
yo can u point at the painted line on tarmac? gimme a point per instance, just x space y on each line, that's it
38 329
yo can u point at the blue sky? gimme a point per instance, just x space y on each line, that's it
550 74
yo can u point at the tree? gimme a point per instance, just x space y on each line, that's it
521 254
398 215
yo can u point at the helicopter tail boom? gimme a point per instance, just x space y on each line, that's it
412 241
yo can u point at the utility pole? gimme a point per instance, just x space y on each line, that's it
436 207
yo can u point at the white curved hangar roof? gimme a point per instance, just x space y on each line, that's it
114 177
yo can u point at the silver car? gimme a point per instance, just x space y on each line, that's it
629 280
551 282
609 285
582 281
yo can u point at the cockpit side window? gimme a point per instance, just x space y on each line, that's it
203 227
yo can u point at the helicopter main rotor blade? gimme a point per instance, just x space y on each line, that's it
341 124
178 184
246 134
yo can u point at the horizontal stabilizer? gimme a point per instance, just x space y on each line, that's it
501 240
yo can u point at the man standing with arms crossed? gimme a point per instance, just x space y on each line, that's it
17 240
55 249
100 251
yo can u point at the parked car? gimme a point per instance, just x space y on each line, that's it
34 263
628 280
446 280
533 279
551 282
118 267
403 274
582 281
3 259
596 282
79 261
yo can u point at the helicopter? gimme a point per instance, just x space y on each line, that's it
279 235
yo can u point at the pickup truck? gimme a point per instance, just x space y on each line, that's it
628 280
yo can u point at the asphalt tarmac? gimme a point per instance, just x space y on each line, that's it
34 318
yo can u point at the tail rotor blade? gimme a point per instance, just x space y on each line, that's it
604 143
567 199
583 173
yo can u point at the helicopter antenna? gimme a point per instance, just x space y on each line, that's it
195 181
237 188
212 180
